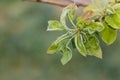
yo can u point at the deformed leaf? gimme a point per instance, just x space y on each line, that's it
65 13
92 46
80 45
54 25
63 37
80 23
71 13
94 27
66 51
113 20
53 48
108 35
56 44
66 55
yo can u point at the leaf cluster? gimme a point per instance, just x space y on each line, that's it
100 19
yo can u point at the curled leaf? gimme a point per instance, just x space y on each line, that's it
94 27
53 48
66 55
80 45
80 23
113 20
71 13
56 45
67 10
92 46
54 25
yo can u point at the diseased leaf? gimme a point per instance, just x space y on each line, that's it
62 47
53 48
108 35
56 44
66 55
64 36
92 46
54 25
94 27
71 13
80 23
65 50
64 14
80 45
113 20
85 29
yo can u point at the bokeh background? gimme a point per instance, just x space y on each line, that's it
24 41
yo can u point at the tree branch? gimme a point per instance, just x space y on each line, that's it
60 3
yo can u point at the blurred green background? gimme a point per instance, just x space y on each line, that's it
24 41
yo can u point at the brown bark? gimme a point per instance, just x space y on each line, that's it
60 3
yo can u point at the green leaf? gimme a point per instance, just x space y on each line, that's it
113 20
80 45
54 25
66 51
65 13
56 44
108 35
92 46
80 23
94 27
67 55
62 47
71 13
53 48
